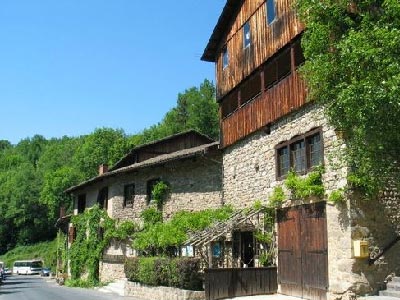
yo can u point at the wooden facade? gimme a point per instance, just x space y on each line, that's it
256 83
266 40
270 104
185 140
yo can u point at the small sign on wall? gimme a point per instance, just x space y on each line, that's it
216 250
360 249
187 251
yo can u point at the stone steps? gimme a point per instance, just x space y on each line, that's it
392 288
117 287
390 293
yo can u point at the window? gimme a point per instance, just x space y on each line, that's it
297 153
283 160
250 88
246 35
271 12
129 195
225 57
102 198
150 185
300 154
81 203
298 54
283 64
277 69
314 150
229 104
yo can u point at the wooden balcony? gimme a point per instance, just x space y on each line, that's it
287 95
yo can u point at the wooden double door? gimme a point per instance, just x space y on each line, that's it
303 251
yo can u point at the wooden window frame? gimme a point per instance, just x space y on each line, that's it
128 203
307 156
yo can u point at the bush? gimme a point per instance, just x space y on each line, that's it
146 272
188 274
131 268
182 273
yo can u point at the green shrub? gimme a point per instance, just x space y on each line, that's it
303 187
182 273
277 197
188 274
131 268
146 272
82 283
337 196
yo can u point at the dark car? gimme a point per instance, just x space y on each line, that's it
45 272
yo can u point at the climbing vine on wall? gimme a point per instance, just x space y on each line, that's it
159 193
94 231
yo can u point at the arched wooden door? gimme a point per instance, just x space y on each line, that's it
303 251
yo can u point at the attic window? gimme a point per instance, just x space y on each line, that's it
271 12
225 57
246 35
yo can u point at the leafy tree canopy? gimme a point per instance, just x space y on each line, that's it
353 67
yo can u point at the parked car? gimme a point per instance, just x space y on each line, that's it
45 272
7 271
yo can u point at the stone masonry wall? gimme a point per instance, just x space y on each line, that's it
144 292
195 185
111 271
249 165
250 175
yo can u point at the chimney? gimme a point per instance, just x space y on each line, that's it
103 168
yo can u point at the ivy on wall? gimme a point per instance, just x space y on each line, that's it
94 231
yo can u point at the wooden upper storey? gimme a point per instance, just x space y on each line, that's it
237 57
173 143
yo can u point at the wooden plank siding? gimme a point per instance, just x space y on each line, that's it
287 95
265 41
239 282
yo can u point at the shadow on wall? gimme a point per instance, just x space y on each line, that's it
371 221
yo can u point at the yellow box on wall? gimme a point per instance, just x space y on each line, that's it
360 249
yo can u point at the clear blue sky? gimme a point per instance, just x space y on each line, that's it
70 66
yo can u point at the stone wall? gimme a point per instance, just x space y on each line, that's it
195 185
111 271
249 165
250 174
144 292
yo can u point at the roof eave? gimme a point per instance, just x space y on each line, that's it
230 10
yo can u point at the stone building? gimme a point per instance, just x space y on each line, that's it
190 163
269 128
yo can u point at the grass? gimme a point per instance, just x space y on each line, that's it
45 251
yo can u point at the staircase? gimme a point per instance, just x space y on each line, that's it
117 287
393 288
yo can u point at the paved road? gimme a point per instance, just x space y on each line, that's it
38 288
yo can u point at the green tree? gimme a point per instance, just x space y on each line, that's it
196 108
104 145
353 68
